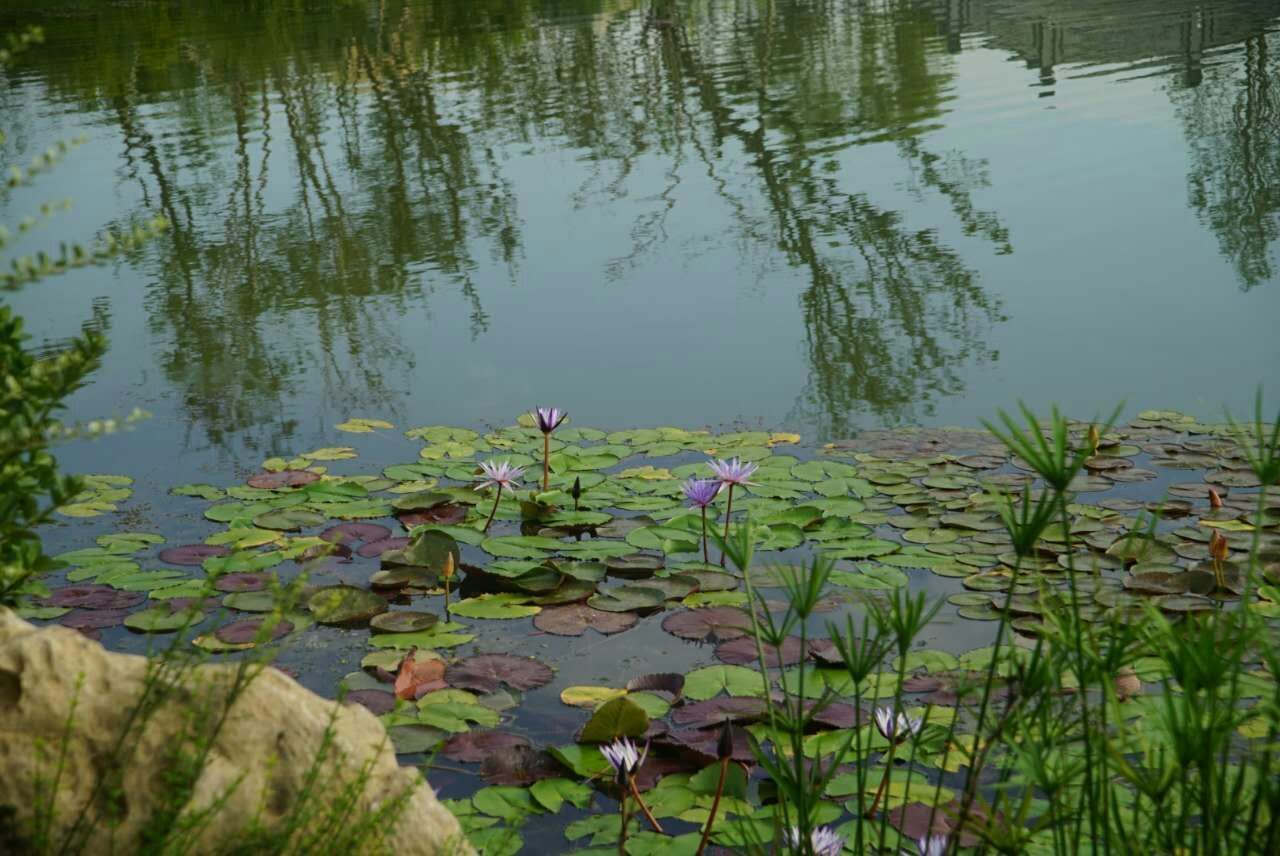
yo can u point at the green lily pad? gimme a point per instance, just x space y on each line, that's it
345 606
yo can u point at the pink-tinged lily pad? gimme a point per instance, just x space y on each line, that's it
241 582
704 714
670 685
486 672
706 741
281 480
346 533
93 596
374 549
742 652
246 631
193 554
713 624
475 746
838 714
825 651
377 701
921 820
573 619
447 514
95 619
519 766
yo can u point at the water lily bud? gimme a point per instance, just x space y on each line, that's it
447 573
1218 549
1215 500
724 746
1095 439
576 493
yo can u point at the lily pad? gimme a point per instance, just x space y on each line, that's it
620 717
487 672
282 480
192 554
345 606
713 624
288 519
628 598
574 619
403 622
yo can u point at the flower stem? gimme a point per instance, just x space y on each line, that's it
705 557
884 782
546 461
497 498
727 511
715 804
622 833
635 792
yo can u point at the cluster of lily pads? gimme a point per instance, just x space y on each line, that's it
614 536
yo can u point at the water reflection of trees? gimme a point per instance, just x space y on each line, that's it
1232 120
387 124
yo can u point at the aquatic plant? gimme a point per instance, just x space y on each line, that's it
732 473
500 475
548 419
701 493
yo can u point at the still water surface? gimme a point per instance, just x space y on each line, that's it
821 215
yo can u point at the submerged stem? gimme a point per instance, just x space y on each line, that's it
546 461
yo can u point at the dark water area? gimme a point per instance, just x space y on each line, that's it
824 216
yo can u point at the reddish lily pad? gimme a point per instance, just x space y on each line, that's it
346 533
374 549
670 685
377 701
447 514
246 631
575 618
487 672
476 746
95 619
241 582
280 480
519 766
742 652
94 596
706 741
193 554
704 714
712 624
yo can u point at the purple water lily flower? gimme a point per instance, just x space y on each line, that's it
499 474
733 471
897 728
623 756
701 492
548 418
823 841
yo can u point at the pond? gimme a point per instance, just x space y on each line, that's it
806 228
819 216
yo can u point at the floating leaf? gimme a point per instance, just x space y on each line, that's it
713 624
288 519
500 605
192 554
486 672
628 598
575 618
620 717
345 606
403 622
476 746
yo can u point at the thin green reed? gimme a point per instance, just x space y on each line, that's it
1055 460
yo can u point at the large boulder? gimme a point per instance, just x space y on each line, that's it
128 740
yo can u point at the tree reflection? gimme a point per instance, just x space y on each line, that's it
314 166
1232 120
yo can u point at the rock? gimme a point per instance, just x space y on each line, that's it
257 763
